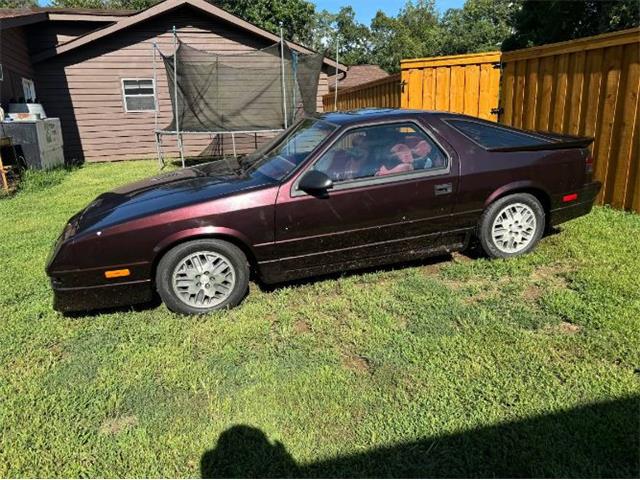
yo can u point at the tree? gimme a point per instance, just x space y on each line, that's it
538 22
479 26
18 3
415 32
354 39
297 16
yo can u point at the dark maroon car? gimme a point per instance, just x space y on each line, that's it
334 192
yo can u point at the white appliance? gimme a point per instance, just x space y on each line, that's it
39 142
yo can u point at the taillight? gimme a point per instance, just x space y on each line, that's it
588 165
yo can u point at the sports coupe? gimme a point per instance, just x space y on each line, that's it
335 192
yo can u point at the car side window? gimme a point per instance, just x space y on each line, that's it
381 150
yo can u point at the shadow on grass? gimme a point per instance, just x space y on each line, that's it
598 440
152 304
390 267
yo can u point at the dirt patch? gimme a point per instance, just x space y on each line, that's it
432 268
532 293
480 296
569 328
401 321
552 274
460 257
301 327
357 364
113 426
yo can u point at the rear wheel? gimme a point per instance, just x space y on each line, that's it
512 226
202 276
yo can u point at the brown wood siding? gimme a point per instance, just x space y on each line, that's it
83 87
16 64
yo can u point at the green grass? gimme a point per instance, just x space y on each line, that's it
451 368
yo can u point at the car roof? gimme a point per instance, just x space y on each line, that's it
354 117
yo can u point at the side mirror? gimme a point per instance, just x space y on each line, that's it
315 182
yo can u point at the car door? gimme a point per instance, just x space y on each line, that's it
394 186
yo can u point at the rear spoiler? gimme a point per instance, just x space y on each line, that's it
556 142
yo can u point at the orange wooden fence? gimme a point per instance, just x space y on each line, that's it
584 87
466 84
382 93
589 86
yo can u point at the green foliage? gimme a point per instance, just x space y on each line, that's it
101 4
296 16
466 357
33 181
416 31
538 22
354 44
18 3
479 26
413 33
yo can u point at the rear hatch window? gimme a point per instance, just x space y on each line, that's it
490 136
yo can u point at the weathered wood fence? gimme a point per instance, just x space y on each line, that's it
589 86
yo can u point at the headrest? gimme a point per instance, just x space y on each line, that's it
421 149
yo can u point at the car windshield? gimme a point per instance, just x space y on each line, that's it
289 149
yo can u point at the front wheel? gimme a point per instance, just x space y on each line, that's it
511 226
201 276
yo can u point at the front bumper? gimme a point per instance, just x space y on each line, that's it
78 299
582 206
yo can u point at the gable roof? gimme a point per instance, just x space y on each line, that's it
357 75
164 7
20 17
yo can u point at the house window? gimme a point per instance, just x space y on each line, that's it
29 90
139 94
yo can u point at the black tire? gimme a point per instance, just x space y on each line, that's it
170 261
489 245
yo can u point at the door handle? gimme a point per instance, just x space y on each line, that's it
443 188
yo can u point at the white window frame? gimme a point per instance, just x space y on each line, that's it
28 88
125 95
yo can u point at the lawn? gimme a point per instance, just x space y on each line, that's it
450 367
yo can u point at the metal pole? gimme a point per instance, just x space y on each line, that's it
175 94
155 84
335 99
155 99
284 88
159 150
233 139
294 65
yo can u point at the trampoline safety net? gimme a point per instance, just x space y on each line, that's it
241 92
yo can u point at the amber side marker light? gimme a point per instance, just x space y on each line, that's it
570 198
117 273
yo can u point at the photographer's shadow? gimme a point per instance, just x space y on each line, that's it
246 452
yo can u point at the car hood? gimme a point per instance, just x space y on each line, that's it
162 193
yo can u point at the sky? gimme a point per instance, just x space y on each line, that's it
366 9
